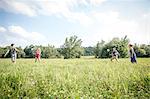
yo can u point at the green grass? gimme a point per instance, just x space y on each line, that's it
75 78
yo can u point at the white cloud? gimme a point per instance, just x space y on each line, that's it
143 28
2 29
96 2
106 17
18 7
110 24
100 25
64 9
19 31
60 8
20 36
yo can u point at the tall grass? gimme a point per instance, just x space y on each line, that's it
75 78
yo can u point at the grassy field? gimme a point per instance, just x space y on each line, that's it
75 78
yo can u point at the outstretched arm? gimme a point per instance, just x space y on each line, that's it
6 53
17 50
118 53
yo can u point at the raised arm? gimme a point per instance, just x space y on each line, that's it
6 53
17 50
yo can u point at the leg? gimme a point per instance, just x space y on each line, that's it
39 58
132 61
112 58
35 59
116 58
13 58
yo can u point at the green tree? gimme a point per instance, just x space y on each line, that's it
119 44
139 50
72 48
30 51
98 49
89 51
50 52
3 50
147 49
123 47
21 53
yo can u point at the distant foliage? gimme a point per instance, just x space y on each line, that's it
3 50
98 49
142 50
46 51
50 52
21 53
30 51
103 50
89 51
147 49
72 48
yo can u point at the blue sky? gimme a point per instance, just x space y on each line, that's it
25 22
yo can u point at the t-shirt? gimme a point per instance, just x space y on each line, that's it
13 51
115 52
38 52
132 52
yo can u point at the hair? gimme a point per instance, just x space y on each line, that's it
130 45
38 49
12 44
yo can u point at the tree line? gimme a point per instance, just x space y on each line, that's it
72 48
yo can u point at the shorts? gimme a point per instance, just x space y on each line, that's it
37 56
13 57
115 56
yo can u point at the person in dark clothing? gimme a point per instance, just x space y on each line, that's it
13 51
114 54
132 54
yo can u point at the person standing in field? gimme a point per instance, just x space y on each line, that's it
13 51
38 55
132 54
114 54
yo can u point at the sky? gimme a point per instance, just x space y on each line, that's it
43 22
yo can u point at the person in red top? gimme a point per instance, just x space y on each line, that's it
38 54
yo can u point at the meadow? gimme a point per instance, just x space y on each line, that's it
75 78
